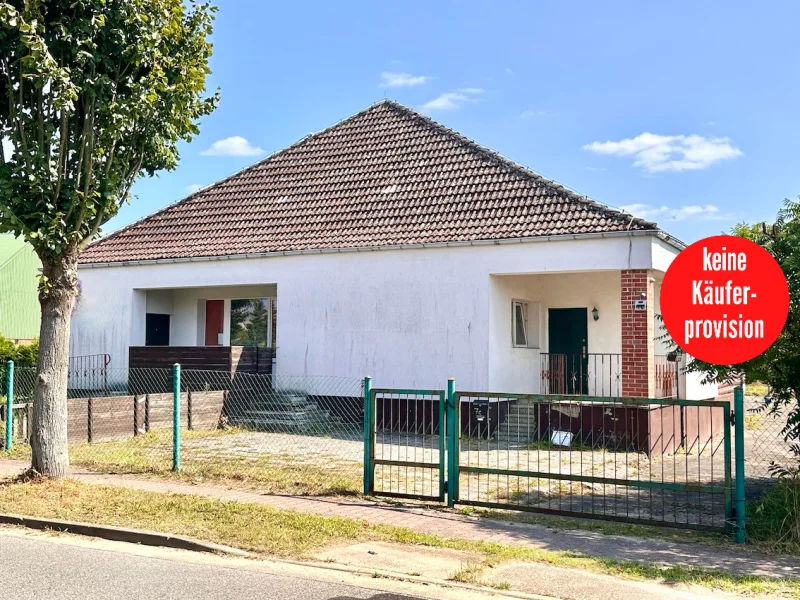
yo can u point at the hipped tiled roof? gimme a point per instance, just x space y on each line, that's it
385 176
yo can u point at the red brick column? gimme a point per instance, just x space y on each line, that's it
638 333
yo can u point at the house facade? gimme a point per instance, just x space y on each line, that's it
391 246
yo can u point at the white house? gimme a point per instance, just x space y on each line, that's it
392 246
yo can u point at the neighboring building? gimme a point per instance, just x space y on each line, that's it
19 282
397 248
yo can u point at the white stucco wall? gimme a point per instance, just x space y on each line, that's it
409 317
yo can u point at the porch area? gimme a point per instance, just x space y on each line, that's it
205 328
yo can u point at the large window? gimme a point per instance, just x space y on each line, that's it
524 324
251 322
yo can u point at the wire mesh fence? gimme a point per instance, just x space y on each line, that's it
765 445
304 435
278 434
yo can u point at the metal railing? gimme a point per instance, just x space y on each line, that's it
666 373
600 374
89 372
582 374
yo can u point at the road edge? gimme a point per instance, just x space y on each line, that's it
121 534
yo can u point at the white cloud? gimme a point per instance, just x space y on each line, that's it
402 79
509 70
453 100
709 212
532 114
194 187
233 146
657 153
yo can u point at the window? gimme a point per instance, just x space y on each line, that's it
524 324
251 322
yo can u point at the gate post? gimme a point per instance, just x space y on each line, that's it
739 500
369 438
452 443
9 406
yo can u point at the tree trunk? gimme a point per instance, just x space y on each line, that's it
57 299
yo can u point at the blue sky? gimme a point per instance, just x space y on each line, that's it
685 113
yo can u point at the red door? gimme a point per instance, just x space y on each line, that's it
214 321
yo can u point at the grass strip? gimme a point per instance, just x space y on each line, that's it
274 532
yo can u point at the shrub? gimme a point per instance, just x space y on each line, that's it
23 355
775 518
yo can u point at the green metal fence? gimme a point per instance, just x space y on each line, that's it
404 443
651 461
665 462
657 461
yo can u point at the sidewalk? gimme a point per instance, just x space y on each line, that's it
451 525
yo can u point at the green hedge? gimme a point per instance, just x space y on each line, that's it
23 355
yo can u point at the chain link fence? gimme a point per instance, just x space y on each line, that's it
278 434
765 444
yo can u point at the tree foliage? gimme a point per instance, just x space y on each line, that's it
93 93
779 366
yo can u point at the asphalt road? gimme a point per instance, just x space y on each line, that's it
47 568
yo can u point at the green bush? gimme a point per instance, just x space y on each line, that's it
23 355
775 518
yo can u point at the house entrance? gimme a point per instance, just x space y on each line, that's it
568 358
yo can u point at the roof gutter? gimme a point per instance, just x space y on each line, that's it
665 237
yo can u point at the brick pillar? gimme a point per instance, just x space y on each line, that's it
638 333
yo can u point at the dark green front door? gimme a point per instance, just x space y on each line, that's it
568 336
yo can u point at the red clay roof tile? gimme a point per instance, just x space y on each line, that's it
385 176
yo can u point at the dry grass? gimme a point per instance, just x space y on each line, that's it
272 532
268 472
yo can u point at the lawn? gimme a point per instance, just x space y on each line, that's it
267 531
213 456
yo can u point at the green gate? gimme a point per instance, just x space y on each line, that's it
663 462
404 443
653 461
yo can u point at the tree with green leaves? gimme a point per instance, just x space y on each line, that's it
779 366
93 95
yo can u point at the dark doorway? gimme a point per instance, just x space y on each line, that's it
567 333
215 317
156 330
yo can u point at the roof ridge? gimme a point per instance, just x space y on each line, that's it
509 163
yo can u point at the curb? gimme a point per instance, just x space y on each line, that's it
121 534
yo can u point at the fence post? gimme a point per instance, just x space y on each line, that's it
452 443
89 419
176 417
369 421
10 406
739 500
189 410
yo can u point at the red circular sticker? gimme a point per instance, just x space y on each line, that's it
724 300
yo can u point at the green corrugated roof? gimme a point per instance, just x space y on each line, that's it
19 303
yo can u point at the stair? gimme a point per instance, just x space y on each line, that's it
287 413
519 424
